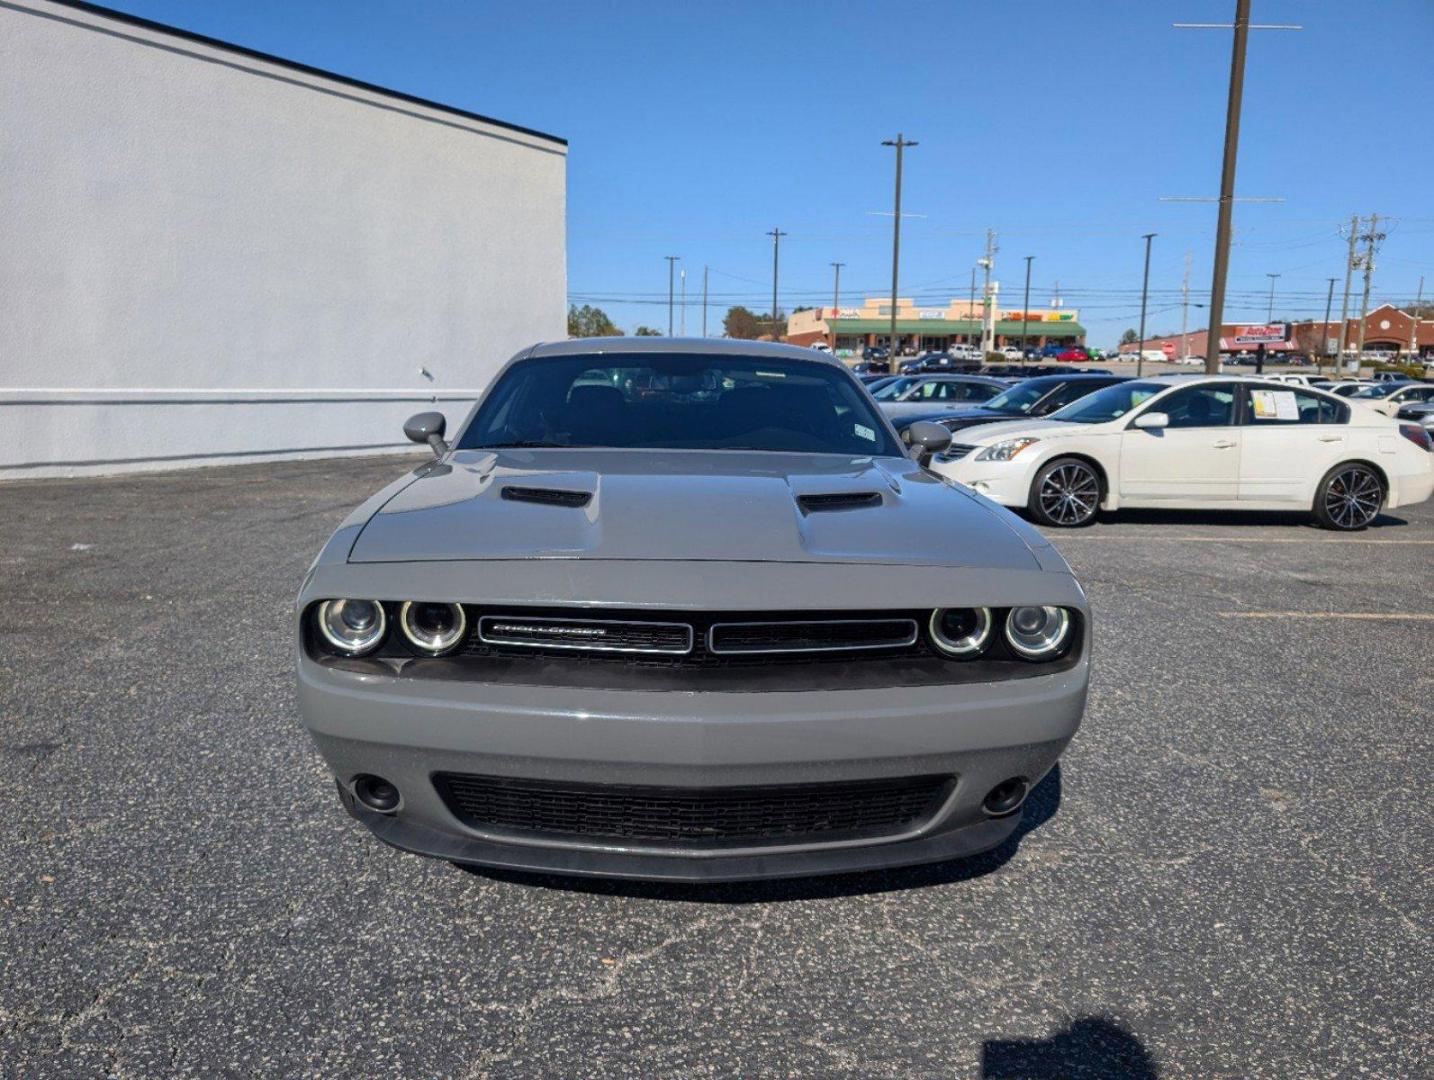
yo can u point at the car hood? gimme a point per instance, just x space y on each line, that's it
688 505
1041 429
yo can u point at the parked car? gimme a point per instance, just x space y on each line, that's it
1030 397
1010 352
1346 387
527 653
1421 413
1192 361
948 389
1288 378
1075 355
874 380
963 351
1389 397
1389 376
876 353
1198 442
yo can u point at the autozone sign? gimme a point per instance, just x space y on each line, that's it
1262 335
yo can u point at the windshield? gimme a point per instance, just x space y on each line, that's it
1019 398
1109 404
680 402
891 390
1382 390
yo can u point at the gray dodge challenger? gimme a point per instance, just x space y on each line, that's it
687 610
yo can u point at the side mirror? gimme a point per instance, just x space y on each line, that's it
428 427
1155 420
927 438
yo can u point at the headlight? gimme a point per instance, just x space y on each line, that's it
353 627
433 628
1038 633
961 631
1005 450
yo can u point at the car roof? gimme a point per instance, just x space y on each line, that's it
773 350
955 376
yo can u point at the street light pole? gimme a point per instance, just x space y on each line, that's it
1270 314
776 234
683 276
704 301
901 144
671 262
1144 290
836 286
1026 306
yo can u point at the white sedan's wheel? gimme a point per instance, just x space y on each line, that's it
1349 497
1065 494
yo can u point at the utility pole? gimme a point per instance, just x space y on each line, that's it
1227 187
988 325
683 275
1371 243
836 286
1270 314
1185 308
971 311
704 301
1144 290
901 144
1324 329
776 234
1026 306
1414 320
671 261
1349 264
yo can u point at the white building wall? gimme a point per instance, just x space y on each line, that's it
207 256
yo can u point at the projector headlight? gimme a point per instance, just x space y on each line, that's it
352 627
1005 450
962 632
1038 633
433 628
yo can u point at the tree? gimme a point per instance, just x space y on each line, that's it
1130 337
646 331
587 321
741 323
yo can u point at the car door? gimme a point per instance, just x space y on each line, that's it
1194 461
1289 438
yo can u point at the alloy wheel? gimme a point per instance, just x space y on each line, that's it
1070 494
1352 497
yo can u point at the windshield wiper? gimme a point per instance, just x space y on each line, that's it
530 444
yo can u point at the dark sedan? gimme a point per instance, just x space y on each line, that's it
1033 397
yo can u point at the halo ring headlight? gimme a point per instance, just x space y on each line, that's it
352 627
433 627
1038 633
961 632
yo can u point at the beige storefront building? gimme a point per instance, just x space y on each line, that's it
921 328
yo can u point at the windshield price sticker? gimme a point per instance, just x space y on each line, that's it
865 432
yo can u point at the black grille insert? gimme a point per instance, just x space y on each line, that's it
546 496
825 635
595 635
700 817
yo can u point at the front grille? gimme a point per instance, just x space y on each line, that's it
956 451
694 817
828 635
595 635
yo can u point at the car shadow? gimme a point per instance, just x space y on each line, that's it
1041 805
1093 1048
1246 518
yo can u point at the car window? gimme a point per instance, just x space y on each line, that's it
1267 408
890 391
1206 405
1109 404
680 401
1071 391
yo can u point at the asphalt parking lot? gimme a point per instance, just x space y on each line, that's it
1229 877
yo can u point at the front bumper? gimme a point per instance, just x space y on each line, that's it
406 730
1004 482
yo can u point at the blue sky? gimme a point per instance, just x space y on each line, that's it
694 129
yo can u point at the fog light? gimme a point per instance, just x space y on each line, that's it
1006 797
376 793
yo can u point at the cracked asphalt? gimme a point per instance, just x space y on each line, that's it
1229 877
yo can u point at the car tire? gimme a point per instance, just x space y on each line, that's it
1066 493
1349 497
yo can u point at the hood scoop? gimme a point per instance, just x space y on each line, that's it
546 496
838 500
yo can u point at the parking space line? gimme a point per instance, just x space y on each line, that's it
1148 538
1391 616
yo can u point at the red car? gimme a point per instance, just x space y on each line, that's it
1080 356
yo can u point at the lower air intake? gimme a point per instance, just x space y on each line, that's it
700 817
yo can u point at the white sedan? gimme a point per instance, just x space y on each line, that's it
1390 397
1198 442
